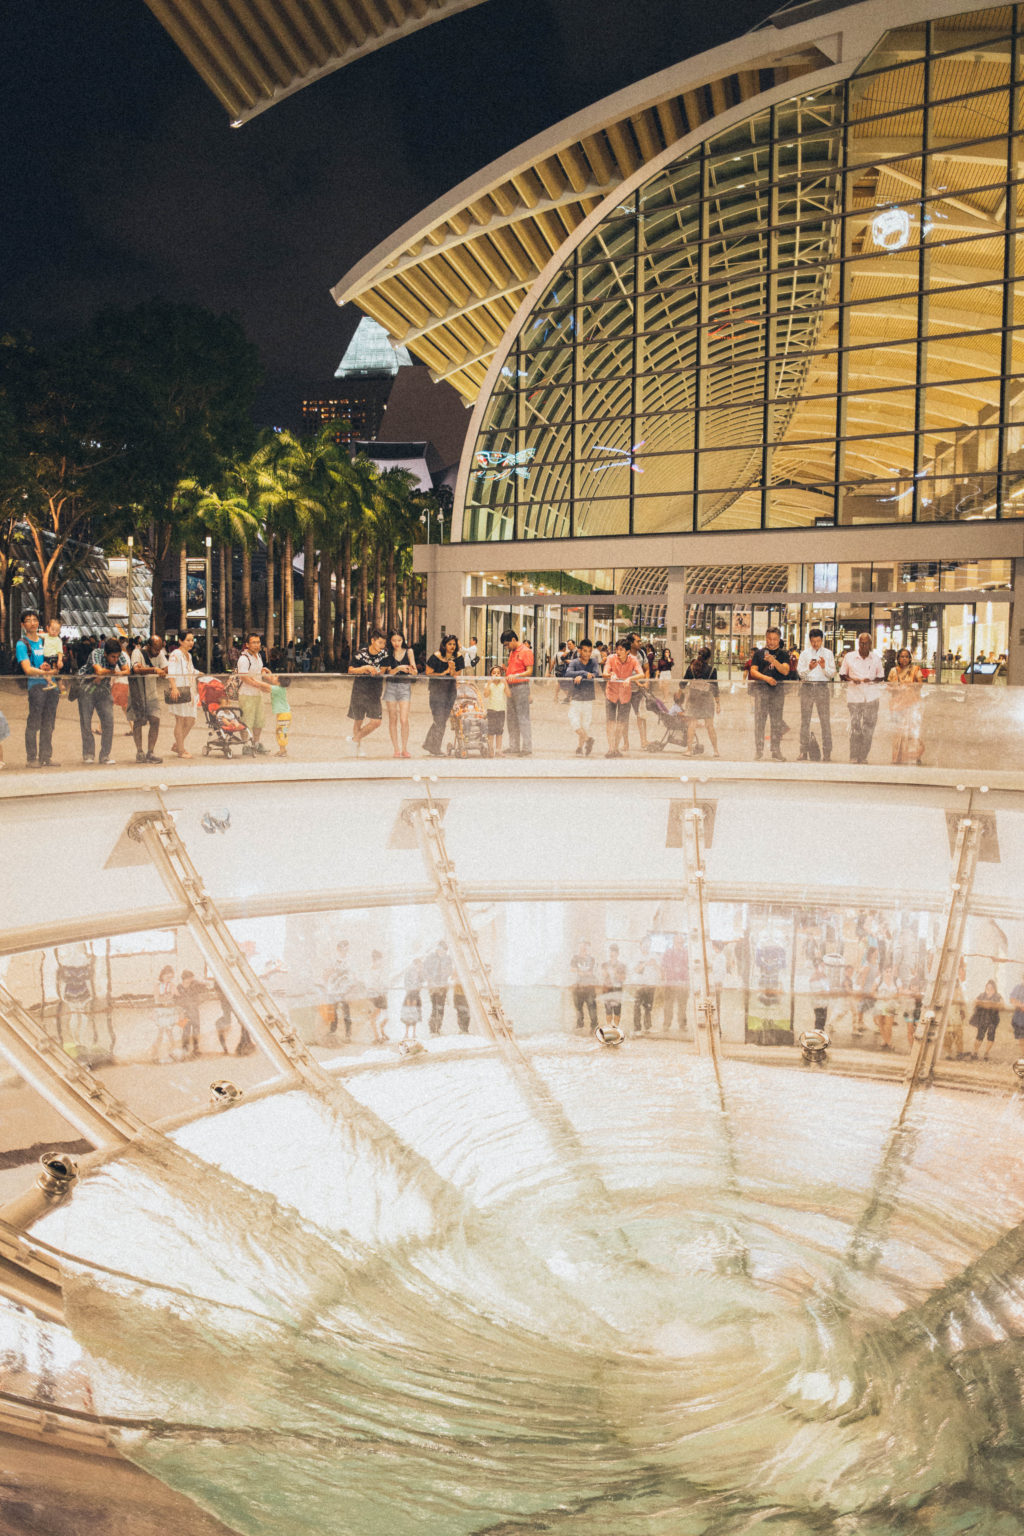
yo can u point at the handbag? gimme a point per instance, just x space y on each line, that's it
184 695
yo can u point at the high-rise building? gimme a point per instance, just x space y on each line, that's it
359 392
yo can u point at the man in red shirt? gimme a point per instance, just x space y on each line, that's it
518 671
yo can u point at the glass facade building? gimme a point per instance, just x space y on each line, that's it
810 319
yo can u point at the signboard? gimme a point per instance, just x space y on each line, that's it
195 577
117 587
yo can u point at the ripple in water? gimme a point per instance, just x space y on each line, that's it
664 1319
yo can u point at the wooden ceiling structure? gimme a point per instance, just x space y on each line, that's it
254 53
448 284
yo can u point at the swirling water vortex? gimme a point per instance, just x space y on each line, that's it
677 1319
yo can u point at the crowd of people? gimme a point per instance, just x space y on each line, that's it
147 678
491 712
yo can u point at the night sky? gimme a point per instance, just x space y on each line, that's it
123 180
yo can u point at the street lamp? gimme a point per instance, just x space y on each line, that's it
209 603
131 557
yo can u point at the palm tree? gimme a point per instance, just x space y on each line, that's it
396 512
313 473
236 510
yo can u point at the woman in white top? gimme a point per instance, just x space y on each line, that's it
181 676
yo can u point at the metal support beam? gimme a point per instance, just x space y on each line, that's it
156 831
935 1014
70 1088
259 1013
488 1014
485 1006
708 1041
27 1278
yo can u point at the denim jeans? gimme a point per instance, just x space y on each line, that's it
99 700
768 704
520 733
42 712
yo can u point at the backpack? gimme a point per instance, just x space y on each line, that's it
16 664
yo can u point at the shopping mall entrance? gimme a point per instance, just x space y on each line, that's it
954 616
948 639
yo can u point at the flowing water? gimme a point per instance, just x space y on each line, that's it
688 1315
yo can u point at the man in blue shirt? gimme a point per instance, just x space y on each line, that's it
42 699
579 678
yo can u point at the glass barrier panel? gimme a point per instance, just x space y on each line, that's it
144 1014
40 1362
446 715
30 1126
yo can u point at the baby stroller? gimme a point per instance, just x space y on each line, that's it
225 727
673 725
468 722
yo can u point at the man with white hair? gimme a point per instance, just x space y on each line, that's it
863 674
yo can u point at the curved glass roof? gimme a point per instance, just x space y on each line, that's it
809 318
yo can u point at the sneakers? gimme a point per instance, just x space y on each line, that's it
108 762
48 762
579 751
261 750
151 757
140 757
588 746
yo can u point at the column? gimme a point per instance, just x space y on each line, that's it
675 614
444 606
1015 628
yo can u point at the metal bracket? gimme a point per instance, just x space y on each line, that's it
72 1089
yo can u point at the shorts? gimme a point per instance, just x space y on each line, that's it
365 704
495 722
379 1000
581 712
617 711
397 690
253 710
986 1028
638 700
613 1006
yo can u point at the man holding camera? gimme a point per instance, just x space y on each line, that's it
769 666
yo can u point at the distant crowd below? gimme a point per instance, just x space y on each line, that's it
474 708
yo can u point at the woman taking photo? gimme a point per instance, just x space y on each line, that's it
181 691
442 668
400 666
